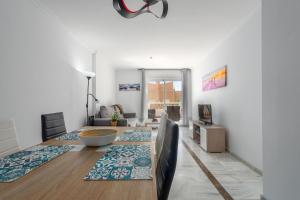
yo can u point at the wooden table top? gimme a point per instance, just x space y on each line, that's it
62 178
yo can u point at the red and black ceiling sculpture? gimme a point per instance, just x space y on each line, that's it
126 12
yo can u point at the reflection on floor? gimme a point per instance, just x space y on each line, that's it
241 182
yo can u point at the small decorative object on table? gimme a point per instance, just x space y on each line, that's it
114 119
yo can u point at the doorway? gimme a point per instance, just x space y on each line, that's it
165 95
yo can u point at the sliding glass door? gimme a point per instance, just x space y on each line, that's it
165 95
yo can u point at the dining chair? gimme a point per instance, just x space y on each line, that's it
151 113
166 163
8 138
174 112
161 134
53 125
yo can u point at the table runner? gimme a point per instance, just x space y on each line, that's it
135 136
123 162
16 165
74 135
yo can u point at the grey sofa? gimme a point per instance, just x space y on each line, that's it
107 122
103 118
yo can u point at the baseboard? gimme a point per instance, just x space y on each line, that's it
247 163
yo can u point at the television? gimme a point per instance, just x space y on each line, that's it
205 114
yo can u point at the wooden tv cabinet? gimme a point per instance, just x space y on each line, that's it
212 138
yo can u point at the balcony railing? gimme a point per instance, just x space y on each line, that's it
160 107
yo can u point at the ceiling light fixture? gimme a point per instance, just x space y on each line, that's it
124 11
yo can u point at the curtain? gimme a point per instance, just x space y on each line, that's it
143 95
186 96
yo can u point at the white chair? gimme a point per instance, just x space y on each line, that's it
8 138
161 134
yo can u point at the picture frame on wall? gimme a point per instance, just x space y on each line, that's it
130 87
215 79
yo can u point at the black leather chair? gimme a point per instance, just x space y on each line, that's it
53 125
151 113
166 163
174 112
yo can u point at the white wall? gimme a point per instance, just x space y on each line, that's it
281 97
37 74
131 100
105 81
238 106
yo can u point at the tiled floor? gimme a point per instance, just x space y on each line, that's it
241 182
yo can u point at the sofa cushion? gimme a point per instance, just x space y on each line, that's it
106 111
119 108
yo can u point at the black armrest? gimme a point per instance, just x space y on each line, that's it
129 115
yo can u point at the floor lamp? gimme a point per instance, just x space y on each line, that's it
88 94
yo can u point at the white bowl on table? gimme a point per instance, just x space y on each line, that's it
98 137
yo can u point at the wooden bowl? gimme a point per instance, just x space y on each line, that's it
98 137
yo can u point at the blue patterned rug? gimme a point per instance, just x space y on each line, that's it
74 135
123 162
16 165
135 136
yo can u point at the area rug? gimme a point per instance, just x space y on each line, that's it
135 136
123 162
74 135
16 165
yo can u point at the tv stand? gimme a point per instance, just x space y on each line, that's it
212 138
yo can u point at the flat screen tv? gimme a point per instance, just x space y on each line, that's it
205 114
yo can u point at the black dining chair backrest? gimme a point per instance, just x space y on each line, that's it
151 113
53 125
166 163
174 112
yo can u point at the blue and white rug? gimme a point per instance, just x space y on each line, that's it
74 135
135 136
123 162
16 165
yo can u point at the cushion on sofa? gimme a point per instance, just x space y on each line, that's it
119 108
106 111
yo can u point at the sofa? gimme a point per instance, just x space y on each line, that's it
103 117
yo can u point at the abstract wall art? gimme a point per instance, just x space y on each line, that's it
130 87
215 79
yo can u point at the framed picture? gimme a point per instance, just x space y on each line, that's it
130 87
215 79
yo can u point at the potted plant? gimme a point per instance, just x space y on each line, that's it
114 119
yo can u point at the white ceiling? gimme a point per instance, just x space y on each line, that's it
190 31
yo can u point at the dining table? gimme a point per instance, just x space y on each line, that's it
62 177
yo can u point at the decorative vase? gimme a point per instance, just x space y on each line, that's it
114 123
